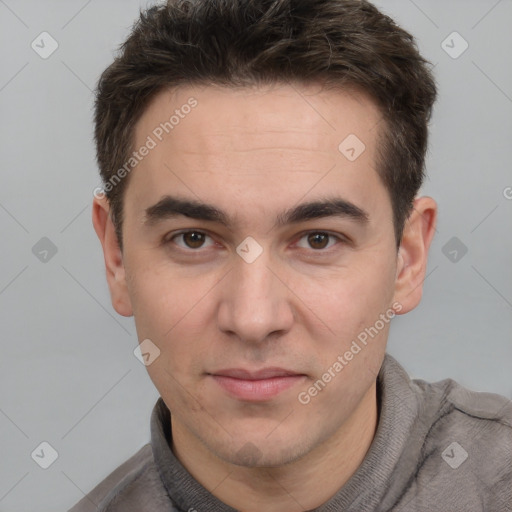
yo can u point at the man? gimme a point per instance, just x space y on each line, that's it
259 220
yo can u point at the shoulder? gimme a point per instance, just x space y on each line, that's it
460 409
134 485
446 404
468 443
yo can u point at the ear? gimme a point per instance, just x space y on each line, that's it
116 276
413 253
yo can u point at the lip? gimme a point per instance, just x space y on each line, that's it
265 373
256 386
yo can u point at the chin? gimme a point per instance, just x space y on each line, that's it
261 452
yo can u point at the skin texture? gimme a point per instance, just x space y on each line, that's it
255 152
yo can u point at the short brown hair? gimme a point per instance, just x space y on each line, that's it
342 43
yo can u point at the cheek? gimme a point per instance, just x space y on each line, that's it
347 300
344 308
156 308
170 311
159 296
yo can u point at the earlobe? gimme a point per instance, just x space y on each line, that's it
413 253
113 257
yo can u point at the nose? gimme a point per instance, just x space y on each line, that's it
255 302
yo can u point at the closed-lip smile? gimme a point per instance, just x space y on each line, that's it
265 373
256 386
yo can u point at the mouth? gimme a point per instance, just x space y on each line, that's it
256 386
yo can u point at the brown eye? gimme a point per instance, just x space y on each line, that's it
321 242
193 239
190 239
318 240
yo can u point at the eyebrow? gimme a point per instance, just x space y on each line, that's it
170 206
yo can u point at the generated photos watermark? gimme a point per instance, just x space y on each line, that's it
344 359
152 140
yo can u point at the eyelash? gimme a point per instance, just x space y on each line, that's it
170 240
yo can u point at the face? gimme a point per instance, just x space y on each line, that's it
251 307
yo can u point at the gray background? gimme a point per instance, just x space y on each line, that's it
68 375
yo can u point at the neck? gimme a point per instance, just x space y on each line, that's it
302 485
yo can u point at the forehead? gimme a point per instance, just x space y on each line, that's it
274 144
304 116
